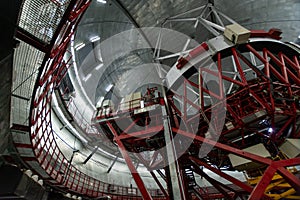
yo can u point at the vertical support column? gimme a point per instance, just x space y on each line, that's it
175 178
184 100
138 180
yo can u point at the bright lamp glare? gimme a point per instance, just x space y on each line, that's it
270 130
99 66
94 39
101 1
79 46
109 87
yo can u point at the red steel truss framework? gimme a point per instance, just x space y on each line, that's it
275 91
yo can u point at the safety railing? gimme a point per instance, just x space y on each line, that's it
134 106
81 114
59 169
80 117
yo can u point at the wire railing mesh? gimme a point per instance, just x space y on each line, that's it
41 17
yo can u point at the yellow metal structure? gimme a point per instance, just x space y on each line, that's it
278 188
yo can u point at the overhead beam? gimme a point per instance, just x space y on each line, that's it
32 40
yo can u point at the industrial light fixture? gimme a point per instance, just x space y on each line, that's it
79 46
94 39
99 66
270 130
142 104
109 87
87 77
101 1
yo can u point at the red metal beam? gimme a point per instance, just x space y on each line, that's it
130 126
233 180
224 147
155 129
285 70
75 14
267 73
290 178
262 102
221 90
282 129
29 159
258 191
297 66
134 172
278 166
223 77
32 40
275 72
288 162
195 52
21 145
238 66
19 127
216 184
160 185
273 33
